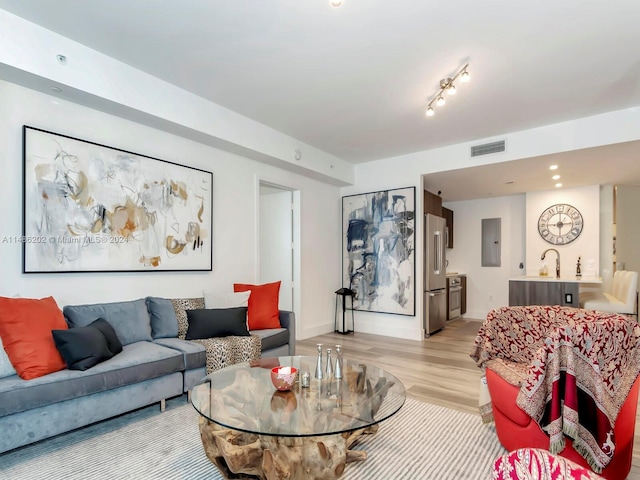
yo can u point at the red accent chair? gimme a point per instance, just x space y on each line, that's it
576 372
516 429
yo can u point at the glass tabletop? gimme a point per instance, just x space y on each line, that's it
242 397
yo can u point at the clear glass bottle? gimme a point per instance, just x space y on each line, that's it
319 362
338 370
329 370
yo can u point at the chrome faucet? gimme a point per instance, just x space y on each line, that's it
557 259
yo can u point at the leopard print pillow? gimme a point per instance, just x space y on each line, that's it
225 351
181 305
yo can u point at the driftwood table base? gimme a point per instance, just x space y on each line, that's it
240 455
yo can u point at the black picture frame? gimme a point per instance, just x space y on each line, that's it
89 207
378 250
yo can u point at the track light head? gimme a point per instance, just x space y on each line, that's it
447 85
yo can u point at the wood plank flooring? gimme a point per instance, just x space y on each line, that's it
437 370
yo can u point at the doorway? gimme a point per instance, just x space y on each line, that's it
278 241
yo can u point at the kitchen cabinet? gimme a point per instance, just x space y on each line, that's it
544 293
534 290
432 204
448 218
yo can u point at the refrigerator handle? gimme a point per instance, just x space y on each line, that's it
437 248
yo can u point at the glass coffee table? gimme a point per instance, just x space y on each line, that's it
251 430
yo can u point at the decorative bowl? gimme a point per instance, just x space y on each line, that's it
283 378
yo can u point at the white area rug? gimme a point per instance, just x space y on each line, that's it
422 441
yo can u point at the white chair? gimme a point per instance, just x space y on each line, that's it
621 299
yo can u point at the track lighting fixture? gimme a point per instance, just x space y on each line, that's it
446 85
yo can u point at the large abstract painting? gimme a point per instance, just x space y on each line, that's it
379 250
92 208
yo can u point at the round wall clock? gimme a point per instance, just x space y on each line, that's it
560 224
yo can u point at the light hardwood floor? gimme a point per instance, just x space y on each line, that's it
437 370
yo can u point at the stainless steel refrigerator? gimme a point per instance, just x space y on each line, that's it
435 275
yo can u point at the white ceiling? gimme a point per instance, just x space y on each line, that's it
354 81
609 165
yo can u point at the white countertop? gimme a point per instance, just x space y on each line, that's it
552 278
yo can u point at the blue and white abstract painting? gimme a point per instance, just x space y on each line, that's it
379 250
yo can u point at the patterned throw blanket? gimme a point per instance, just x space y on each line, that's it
529 463
581 367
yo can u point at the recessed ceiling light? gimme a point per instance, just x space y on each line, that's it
336 3
558 185
553 167
556 177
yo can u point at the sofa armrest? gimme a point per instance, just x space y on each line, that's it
288 321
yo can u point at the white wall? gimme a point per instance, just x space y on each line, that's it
628 228
487 287
586 246
234 222
606 238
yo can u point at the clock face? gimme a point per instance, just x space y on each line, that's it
560 224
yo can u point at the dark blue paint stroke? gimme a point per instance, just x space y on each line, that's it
357 230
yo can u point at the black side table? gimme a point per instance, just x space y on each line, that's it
344 296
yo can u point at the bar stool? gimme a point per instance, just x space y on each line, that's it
344 296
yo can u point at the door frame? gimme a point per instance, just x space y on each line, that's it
296 246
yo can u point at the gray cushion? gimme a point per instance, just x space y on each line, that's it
194 353
130 320
272 337
164 322
138 361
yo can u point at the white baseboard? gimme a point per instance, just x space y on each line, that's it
396 332
406 333
314 331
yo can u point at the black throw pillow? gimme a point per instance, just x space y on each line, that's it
113 342
217 322
82 347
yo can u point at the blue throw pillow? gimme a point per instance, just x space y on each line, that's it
130 320
164 322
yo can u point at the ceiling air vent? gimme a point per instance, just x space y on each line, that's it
488 148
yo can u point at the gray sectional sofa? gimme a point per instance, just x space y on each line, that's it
154 365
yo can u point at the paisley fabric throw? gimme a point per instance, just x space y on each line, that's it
531 463
570 364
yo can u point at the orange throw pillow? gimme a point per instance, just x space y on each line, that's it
25 328
263 304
